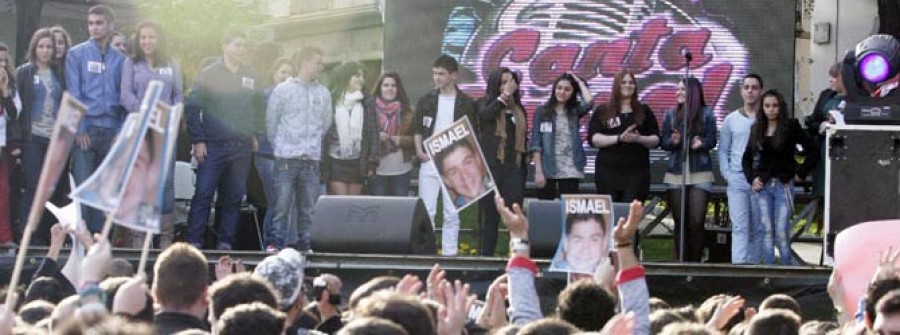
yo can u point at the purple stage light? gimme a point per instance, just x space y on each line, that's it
874 68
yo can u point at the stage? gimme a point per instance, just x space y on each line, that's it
677 283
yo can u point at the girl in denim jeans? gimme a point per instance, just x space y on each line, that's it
771 168
556 145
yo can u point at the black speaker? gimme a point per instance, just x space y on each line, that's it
863 177
545 225
370 224
718 243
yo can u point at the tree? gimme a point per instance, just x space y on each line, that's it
194 27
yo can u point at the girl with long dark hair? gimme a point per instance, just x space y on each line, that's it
148 61
62 42
623 131
391 105
350 150
556 146
701 138
771 168
502 134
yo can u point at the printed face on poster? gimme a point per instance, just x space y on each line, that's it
103 189
68 118
460 163
586 239
139 207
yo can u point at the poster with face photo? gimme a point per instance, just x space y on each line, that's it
460 164
70 114
587 222
103 189
141 205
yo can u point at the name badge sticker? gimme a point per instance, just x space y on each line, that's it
37 80
426 121
247 83
546 127
95 67
614 122
165 71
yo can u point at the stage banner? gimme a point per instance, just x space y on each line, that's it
587 223
460 163
595 39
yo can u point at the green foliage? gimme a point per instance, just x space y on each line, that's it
194 27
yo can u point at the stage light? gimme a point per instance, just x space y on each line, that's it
874 68
878 58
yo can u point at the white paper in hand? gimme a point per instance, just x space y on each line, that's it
70 217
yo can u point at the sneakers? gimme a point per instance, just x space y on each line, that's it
271 249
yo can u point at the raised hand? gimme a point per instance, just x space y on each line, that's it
514 219
452 315
433 282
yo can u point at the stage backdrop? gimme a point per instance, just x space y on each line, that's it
541 39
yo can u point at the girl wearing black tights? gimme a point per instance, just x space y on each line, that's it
701 137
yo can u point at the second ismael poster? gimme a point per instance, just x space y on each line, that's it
587 222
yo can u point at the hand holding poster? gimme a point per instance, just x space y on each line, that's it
460 164
69 116
586 233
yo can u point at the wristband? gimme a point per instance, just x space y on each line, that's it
518 244
91 289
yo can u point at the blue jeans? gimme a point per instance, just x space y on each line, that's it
85 162
775 205
297 188
265 167
747 230
397 186
225 169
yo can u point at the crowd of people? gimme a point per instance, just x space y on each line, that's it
300 134
345 135
110 296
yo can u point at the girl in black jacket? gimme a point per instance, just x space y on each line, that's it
502 136
771 167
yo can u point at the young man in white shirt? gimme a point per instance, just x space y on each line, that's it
435 111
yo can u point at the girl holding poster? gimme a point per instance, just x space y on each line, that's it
556 146
701 138
623 131
503 131
771 168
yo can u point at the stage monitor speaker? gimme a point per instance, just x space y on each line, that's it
718 243
863 171
545 225
372 224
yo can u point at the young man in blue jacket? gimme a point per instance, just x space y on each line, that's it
224 112
93 75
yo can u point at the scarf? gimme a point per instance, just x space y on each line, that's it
388 122
519 118
348 119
